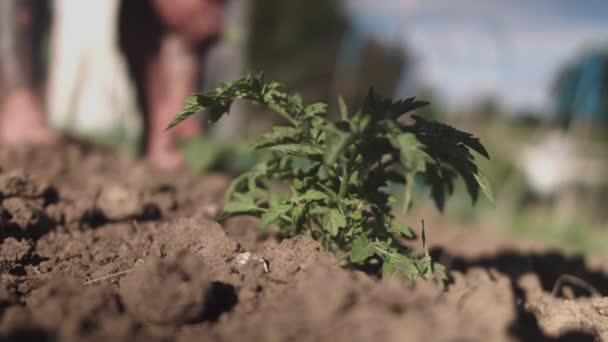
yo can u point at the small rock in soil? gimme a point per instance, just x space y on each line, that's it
118 202
248 260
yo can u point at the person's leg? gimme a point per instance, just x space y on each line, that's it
164 42
21 114
171 76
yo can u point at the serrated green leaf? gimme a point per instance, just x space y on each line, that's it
299 150
401 229
361 249
343 109
411 151
274 213
362 123
257 172
275 199
298 213
484 184
312 195
279 135
399 264
376 105
315 109
388 268
240 208
333 220
235 184
217 110
448 135
401 107
336 141
191 107
476 145
327 190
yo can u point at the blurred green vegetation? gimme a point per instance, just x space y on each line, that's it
207 154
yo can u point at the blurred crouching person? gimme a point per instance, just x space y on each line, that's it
117 71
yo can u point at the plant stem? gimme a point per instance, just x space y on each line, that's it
345 178
381 250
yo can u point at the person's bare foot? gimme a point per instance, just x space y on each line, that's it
162 148
162 152
22 120
171 78
167 159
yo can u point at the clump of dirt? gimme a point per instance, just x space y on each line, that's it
16 183
201 237
98 247
557 315
176 289
23 198
14 254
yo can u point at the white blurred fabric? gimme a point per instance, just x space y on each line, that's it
89 90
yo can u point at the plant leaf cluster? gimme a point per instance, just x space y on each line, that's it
337 171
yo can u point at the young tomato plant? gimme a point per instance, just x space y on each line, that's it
337 172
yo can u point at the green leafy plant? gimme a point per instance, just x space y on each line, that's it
337 172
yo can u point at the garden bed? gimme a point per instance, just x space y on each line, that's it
96 247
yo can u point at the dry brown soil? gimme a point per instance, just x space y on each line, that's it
95 247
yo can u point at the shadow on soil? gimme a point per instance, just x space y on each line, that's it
30 335
548 266
221 298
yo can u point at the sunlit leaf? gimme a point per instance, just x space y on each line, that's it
485 186
361 249
401 229
333 220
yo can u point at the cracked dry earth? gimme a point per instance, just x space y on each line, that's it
95 247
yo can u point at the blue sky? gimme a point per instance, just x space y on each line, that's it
468 48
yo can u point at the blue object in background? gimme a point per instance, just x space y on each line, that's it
581 93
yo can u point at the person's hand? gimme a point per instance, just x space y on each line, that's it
196 20
22 120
